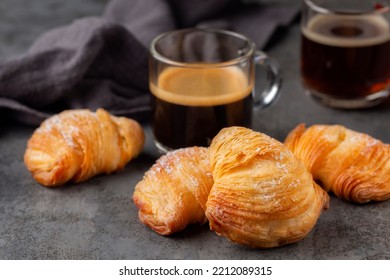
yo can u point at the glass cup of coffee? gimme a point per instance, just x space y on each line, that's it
345 52
201 81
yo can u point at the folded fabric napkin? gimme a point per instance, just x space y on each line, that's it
103 61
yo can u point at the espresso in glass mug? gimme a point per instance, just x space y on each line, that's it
202 81
345 52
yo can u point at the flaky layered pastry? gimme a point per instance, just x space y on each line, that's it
173 192
352 165
78 144
262 196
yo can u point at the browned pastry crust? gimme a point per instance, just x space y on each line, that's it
78 144
353 165
262 195
251 188
173 192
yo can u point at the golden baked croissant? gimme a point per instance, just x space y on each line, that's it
353 165
78 144
262 196
173 193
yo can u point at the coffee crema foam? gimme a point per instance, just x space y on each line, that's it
369 30
202 86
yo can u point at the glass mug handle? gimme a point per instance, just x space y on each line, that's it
274 81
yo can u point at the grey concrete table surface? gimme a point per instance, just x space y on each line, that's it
98 219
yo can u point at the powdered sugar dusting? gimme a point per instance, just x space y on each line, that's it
65 124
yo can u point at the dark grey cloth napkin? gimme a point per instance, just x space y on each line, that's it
103 61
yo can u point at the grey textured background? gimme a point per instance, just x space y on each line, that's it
98 220
21 21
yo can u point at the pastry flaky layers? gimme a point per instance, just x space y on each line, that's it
262 195
251 189
352 165
78 144
174 191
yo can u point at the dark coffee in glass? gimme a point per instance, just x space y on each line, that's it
188 112
202 81
345 57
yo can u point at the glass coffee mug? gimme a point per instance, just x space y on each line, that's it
345 52
202 81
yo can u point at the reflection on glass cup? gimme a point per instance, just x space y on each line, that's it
345 52
202 81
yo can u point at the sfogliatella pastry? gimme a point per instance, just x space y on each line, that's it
262 196
352 165
174 191
78 144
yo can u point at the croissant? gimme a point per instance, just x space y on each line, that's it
173 192
352 165
78 144
249 187
262 196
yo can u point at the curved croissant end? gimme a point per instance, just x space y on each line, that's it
78 144
173 192
352 165
262 195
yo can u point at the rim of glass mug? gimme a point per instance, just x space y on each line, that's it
375 11
242 57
